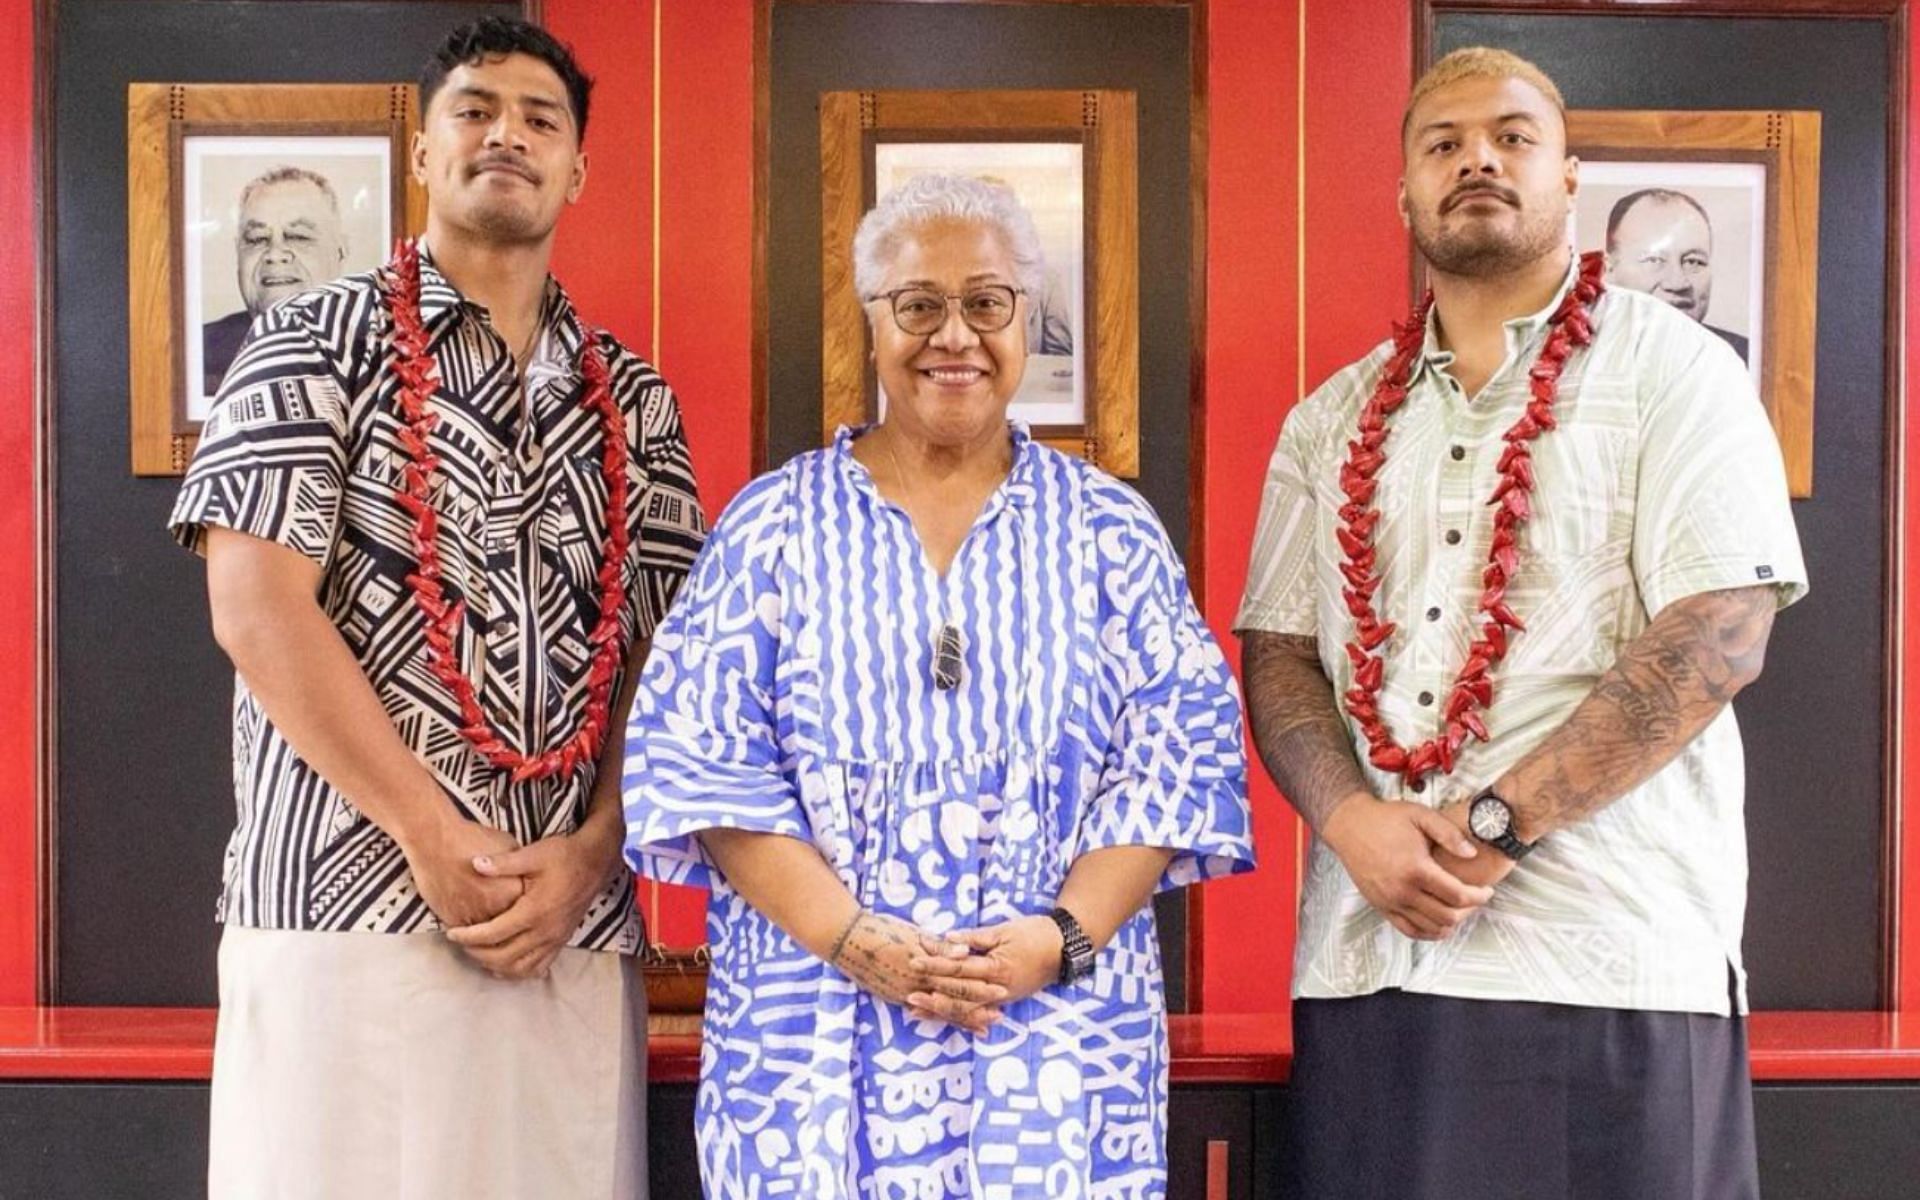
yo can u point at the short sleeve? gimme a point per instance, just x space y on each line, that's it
672 526
702 750
1711 512
272 455
1175 772
1281 591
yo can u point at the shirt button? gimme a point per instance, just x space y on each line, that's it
1458 452
1426 698
1433 614
1418 785
1453 537
501 627
501 714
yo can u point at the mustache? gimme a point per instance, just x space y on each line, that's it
1467 192
506 159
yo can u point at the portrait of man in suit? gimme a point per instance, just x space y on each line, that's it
289 237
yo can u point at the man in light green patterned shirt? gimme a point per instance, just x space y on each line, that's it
1519 955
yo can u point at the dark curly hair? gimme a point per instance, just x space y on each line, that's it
492 36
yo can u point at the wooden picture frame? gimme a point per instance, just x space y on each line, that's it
855 127
1780 153
170 125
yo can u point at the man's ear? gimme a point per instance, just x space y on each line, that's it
417 156
578 182
1400 204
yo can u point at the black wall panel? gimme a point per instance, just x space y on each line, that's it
1812 725
839 47
146 786
148 1141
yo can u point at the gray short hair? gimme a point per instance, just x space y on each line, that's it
291 174
925 199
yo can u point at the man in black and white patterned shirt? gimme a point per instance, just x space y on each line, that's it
427 979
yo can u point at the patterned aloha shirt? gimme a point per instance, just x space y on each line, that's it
300 449
1661 481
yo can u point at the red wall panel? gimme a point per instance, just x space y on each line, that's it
1306 266
603 253
1252 348
667 218
19 583
1906 872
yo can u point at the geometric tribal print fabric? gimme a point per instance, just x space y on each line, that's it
301 448
1660 480
791 692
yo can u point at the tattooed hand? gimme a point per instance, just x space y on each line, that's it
877 952
1391 849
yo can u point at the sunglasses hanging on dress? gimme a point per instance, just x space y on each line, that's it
948 654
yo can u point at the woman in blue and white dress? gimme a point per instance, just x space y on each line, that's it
933 718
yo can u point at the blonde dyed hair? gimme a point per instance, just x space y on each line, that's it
1481 62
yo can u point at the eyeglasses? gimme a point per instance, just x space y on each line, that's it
921 311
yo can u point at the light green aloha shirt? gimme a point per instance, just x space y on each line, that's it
1663 480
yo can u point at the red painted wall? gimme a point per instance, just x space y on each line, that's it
1906 932
18 585
1307 264
703 271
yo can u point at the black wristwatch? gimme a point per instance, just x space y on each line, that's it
1491 820
1076 949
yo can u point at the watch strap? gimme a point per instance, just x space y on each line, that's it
1076 948
1511 846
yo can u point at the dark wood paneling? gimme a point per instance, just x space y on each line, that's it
103 1141
149 1141
1210 1142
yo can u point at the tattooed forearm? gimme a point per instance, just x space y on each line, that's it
873 952
840 943
1668 684
1297 726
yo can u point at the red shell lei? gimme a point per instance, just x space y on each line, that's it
419 379
1472 693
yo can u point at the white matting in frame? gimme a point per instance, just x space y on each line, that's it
296 236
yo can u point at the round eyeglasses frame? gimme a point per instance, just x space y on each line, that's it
928 324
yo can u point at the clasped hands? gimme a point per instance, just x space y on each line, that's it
1417 866
511 908
963 978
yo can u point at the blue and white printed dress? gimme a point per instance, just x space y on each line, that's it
791 691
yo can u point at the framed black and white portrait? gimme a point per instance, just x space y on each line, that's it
1718 214
267 218
239 197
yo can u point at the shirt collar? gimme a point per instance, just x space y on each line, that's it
441 304
1519 330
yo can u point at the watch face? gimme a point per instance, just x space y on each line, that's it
1489 818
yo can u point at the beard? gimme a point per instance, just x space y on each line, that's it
1484 249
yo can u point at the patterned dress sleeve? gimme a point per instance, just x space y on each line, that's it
702 748
1175 772
272 455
